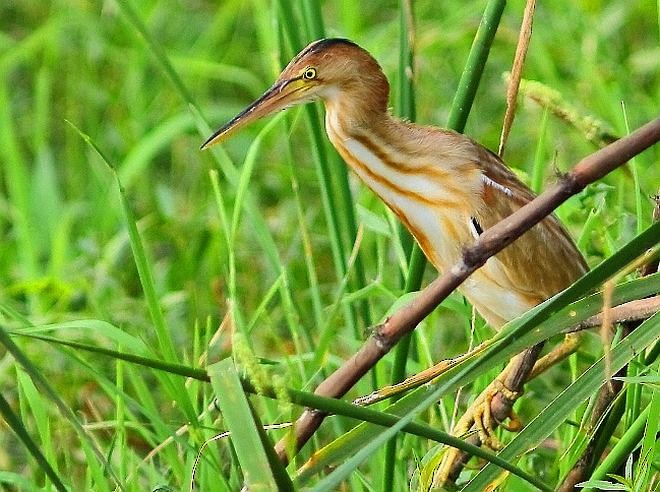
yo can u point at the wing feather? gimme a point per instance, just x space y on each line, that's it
544 260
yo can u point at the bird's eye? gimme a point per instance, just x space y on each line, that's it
309 73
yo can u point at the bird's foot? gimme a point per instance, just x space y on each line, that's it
486 419
491 409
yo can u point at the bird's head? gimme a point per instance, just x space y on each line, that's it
328 69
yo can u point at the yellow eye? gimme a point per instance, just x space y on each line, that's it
309 73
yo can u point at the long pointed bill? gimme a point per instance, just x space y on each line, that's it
283 94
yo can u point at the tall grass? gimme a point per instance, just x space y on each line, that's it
127 241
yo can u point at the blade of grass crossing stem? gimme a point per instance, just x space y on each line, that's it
332 454
343 448
459 112
50 392
587 384
426 431
175 387
245 436
16 424
329 405
510 340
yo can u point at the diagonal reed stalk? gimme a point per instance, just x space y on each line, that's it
386 335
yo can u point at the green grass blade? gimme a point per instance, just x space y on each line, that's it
95 327
16 175
469 83
159 138
650 445
246 173
15 423
156 50
32 404
244 434
36 375
313 18
141 262
145 273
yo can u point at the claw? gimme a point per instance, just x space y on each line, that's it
485 421
514 424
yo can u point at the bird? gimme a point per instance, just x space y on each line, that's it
442 185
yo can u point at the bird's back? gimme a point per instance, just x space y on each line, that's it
537 265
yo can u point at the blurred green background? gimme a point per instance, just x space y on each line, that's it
65 254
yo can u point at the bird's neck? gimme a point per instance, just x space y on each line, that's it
391 154
423 174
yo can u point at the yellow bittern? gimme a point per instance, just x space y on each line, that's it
446 188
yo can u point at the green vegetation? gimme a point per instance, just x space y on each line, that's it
267 262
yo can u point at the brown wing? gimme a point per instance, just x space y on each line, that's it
544 260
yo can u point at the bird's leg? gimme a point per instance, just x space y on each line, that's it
567 347
495 404
418 379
